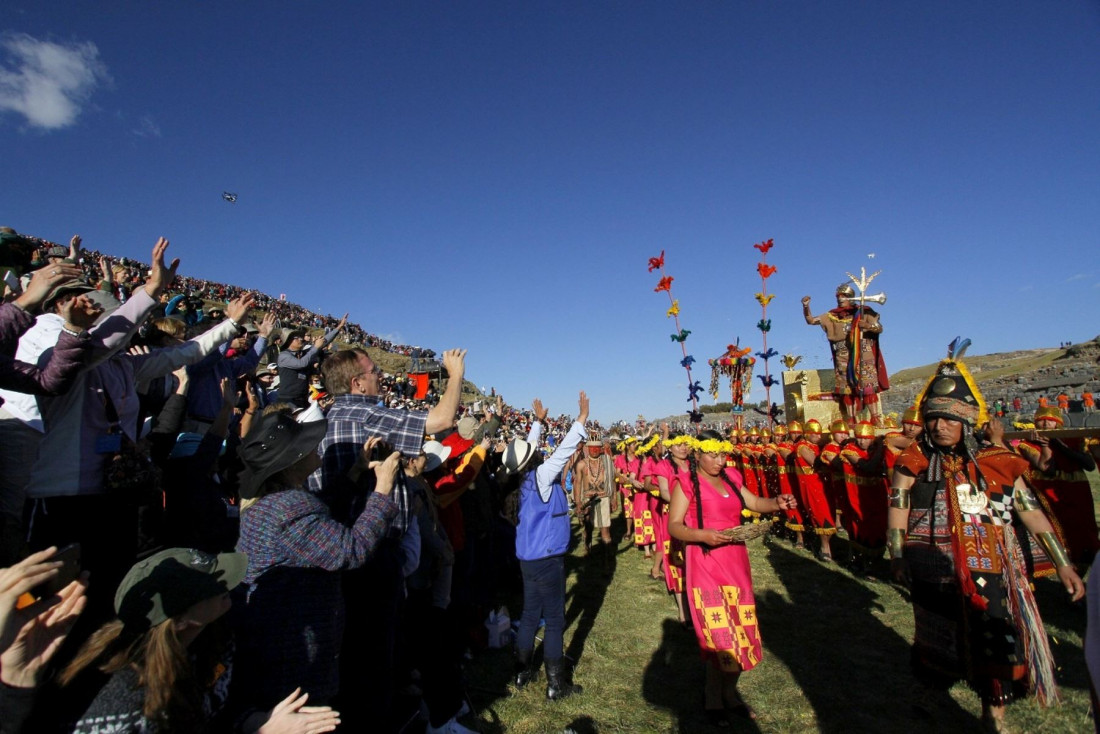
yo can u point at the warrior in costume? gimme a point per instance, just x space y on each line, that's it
867 488
779 456
811 489
950 504
857 360
832 468
1057 472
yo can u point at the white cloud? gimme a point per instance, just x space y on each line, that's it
1078 276
147 128
47 82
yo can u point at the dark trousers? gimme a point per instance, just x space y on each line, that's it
543 598
373 595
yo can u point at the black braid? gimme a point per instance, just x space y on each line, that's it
693 467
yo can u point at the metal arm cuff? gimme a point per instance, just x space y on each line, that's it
1053 548
895 542
899 498
1026 501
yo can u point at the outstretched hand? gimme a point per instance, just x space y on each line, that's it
540 411
238 308
582 403
161 275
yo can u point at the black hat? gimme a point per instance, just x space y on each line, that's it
277 443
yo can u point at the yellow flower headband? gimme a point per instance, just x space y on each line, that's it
712 446
688 440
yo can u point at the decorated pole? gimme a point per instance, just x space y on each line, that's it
681 335
737 365
765 324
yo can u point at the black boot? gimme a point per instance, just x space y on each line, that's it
525 671
559 680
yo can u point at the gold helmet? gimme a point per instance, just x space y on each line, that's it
794 427
780 430
765 433
1049 413
839 426
864 430
813 427
911 415
754 431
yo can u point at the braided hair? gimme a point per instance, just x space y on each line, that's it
693 467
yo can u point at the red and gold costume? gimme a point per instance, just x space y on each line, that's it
1065 491
784 469
811 489
867 494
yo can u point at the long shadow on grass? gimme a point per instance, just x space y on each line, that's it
850 666
594 573
674 680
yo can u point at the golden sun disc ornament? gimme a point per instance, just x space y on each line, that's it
971 500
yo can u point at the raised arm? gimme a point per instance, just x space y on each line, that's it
442 414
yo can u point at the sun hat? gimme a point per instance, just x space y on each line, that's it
170 582
437 453
467 427
517 454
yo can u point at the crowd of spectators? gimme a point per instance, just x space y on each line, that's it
126 274
187 544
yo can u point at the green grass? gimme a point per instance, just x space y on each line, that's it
836 659
1023 363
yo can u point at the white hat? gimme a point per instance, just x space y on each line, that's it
517 454
437 453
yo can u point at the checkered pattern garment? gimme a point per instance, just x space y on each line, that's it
351 421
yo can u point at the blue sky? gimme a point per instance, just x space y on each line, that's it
496 175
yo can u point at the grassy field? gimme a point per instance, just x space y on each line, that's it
836 652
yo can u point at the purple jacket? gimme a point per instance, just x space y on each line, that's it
52 378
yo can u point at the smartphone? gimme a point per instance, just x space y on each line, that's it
69 556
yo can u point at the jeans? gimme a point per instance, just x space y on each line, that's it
543 598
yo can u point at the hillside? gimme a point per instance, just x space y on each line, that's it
1027 374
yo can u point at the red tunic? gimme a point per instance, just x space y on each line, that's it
865 515
811 490
1065 487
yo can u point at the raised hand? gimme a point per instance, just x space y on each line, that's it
238 308
43 281
161 275
540 411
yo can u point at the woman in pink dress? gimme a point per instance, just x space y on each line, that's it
719 581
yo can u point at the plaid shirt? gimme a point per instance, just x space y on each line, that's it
353 419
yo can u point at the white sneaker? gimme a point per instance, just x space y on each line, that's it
451 727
